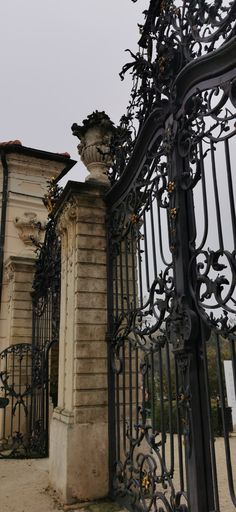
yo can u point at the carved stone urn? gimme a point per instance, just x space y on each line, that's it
95 145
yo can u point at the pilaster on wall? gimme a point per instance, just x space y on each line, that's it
79 437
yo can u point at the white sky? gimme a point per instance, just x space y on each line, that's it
60 60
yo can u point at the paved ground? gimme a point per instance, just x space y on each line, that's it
24 486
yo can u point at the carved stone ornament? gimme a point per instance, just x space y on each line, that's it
67 216
95 145
29 227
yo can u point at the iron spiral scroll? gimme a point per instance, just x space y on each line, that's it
172 247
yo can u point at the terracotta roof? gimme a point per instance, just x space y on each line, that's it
19 143
66 154
11 142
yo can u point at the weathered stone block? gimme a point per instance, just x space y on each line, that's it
90 229
23 314
94 414
85 283
90 316
85 332
91 397
71 446
22 332
21 296
87 269
91 365
91 242
93 300
91 349
92 200
21 305
90 381
23 286
22 322
90 256
97 215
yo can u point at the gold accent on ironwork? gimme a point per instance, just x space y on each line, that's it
173 213
162 64
162 6
134 219
52 195
146 482
171 187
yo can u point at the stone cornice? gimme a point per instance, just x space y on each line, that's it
18 264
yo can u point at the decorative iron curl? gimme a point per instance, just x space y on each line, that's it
213 289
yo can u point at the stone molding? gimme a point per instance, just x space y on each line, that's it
19 264
20 164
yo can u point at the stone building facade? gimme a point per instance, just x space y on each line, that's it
24 175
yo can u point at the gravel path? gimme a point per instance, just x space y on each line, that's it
24 486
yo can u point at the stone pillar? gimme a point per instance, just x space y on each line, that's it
79 430
79 427
19 273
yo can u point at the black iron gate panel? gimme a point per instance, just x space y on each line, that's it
46 303
172 235
23 383
46 322
29 372
148 418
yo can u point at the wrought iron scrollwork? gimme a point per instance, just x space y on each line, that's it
22 376
214 289
171 299
46 285
173 35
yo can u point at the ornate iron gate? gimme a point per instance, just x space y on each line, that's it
172 242
28 371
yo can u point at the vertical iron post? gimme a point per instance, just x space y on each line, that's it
187 345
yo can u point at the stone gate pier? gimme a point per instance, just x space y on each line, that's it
79 427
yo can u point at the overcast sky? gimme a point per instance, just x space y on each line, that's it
60 60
